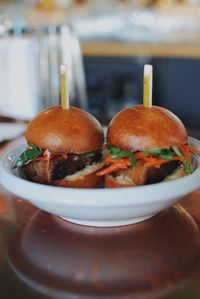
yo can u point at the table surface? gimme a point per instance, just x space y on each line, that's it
42 256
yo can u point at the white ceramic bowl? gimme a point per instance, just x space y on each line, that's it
99 207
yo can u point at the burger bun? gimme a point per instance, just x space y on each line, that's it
138 128
72 130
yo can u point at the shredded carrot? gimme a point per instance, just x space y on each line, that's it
56 153
192 149
152 164
153 161
150 160
140 155
109 159
178 159
156 163
115 164
49 155
110 169
186 153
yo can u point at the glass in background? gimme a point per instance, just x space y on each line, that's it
30 61
57 45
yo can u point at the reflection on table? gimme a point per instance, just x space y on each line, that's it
58 258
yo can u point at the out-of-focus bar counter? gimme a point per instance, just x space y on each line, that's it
155 31
116 49
118 37
165 35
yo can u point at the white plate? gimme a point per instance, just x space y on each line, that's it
99 207
10 131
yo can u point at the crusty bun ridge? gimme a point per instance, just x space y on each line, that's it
72 130
139 128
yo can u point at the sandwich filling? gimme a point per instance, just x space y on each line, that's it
148 166
46 166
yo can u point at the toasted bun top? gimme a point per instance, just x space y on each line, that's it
140 128
72 130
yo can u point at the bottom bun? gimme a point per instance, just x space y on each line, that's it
88 181
121 181
115 182
39 172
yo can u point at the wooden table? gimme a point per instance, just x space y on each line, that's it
42 254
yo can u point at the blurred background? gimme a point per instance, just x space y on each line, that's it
105 43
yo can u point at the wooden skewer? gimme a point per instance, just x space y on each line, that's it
64 87
148 85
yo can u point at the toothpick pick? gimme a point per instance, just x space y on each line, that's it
148 85
64 87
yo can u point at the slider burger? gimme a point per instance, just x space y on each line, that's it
145 146
64 148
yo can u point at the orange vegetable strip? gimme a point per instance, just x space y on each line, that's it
139 155
193 149
111 169
156 164
146 157
178 159
152 164
186 153
109 159
163 161
152 161
122 163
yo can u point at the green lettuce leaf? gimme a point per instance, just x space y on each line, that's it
118 153
167 154
28 155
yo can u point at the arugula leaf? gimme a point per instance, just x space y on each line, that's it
166 154
90 154
28 155
187 164
118 153
188 167
133 161
153 151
